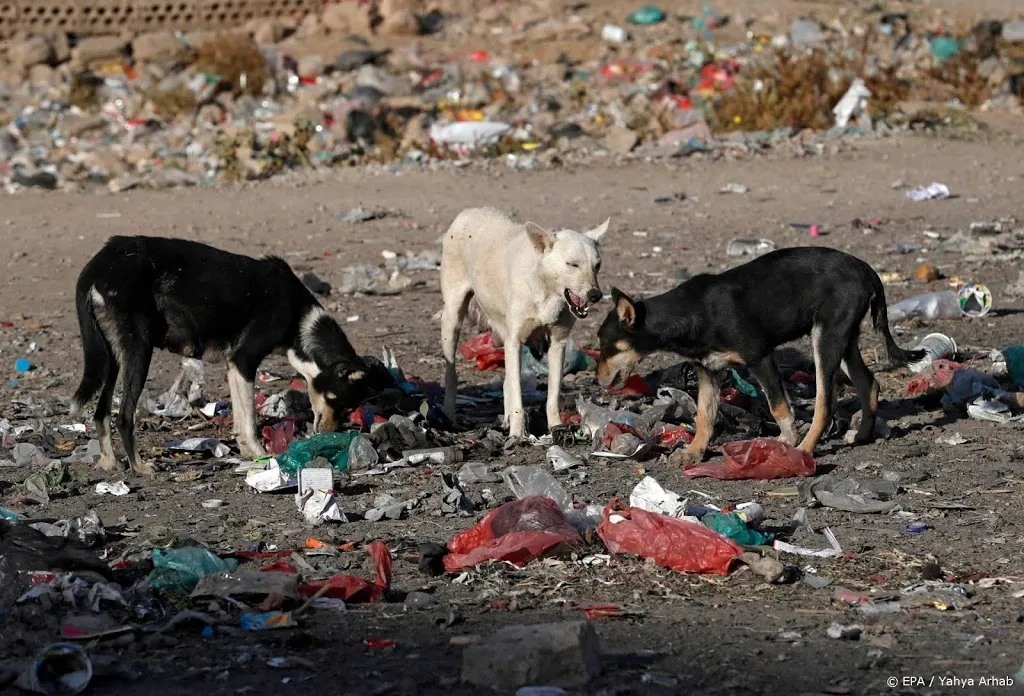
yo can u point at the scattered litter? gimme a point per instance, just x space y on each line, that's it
560 460
850 495
934 191
839 632
516 533
749 247
756 459
201 444
834 550
118 488
648 495
673 543
61 668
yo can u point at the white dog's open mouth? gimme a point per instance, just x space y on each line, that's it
577 304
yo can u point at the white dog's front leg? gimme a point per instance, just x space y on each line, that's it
514 390
556 359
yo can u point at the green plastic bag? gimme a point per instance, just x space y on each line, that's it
648 14
743 385
179 570
1015 363
730 525
331 446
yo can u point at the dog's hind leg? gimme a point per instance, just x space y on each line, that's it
107 462
867 390
556 360
137 357
241 378
456 304
766 371
707 415
829 345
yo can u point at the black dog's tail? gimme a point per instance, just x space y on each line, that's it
880 322
95 349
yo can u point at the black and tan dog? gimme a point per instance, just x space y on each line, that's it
740 316
141 293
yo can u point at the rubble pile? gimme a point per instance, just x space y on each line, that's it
401 82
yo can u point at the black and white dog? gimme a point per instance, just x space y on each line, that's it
141 293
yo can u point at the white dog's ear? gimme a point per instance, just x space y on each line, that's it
624 308
541 239
598 231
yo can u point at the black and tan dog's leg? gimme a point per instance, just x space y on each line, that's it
136 368
241 382
867 391
107 461
707 414
828 354
766 372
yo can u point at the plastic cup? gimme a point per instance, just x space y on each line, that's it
938 347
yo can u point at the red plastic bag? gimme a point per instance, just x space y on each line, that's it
352 588
670 436
517 532
938 376
482 349
673 543
277 436
760 458
634 386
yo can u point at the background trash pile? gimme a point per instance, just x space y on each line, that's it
186 109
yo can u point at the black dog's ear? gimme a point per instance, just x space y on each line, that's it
624 308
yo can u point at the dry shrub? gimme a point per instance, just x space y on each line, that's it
797 92
173 102
235 58
961 78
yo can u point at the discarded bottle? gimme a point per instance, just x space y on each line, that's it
438 455
944 304
749 247
937 347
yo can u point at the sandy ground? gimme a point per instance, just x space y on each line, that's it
734 635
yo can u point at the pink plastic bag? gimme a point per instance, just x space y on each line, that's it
517 532
676 544
760 458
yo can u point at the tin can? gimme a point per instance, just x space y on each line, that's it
61 668
938 347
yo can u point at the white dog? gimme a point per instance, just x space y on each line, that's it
526 280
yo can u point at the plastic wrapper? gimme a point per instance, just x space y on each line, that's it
179 570
332 446
353 588
517 532
759 458
676 544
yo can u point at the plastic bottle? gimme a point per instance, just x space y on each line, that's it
438 455
944 304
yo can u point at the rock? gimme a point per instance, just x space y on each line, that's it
402 23
620 140
1013 31
158 47
771 569
96 49
414 601
41 74
266 31
805 33
390 7
32 51
558 654
346 18
61 47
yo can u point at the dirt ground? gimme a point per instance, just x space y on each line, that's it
705 635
